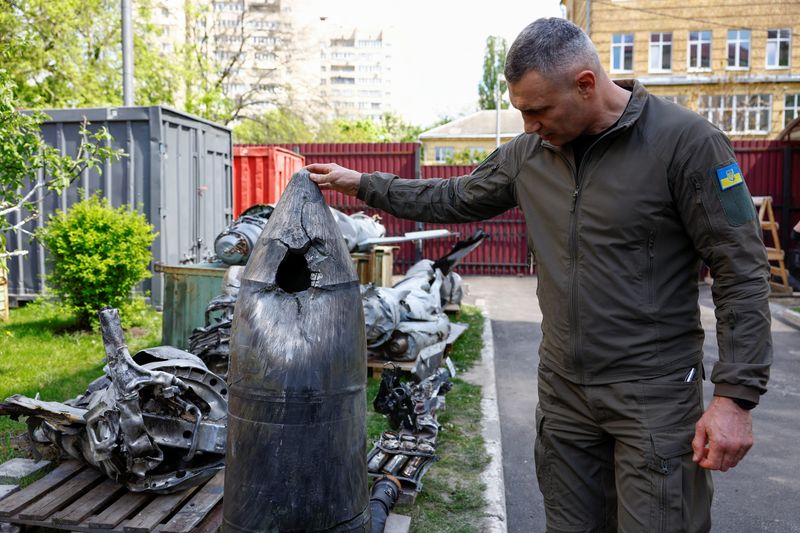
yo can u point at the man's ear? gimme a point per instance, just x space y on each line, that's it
586 82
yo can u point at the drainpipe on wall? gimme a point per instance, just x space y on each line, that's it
786 208
588 24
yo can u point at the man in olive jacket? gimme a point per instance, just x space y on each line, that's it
624 194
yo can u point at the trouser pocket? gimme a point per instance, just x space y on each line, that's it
680 491
666 462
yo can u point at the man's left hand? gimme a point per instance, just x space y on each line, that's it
723 435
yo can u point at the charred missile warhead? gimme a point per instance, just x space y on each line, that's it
297 409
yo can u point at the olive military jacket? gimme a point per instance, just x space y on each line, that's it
618 244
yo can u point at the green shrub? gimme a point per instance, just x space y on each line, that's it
98 254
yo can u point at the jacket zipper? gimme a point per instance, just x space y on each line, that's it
698 192
651 244
731 341
574 316
574 334
663 495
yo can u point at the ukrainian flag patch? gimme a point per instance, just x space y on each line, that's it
729 176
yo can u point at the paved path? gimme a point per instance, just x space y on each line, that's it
761 495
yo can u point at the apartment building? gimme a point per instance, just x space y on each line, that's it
251 41
282 52
736 62
355 72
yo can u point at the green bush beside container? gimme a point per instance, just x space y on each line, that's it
98 255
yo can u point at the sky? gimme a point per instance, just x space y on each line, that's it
438 46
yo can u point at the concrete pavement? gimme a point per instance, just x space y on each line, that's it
759 495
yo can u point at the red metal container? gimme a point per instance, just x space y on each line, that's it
260 174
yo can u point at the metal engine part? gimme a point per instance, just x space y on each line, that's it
357 228
406 320
404 454
156 422
235 243
211 342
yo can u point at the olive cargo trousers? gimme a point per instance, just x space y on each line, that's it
618 457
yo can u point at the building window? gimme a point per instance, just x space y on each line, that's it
778 45
443 153
739 113
261 24
699 50
622 52
660 52
265 87
228 6
791 108
260 39
738 49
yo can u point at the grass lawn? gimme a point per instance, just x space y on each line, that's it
41 352
452 495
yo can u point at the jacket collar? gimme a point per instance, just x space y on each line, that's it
638 98
631 113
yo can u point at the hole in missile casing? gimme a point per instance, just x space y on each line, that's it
187 434
213 382
224 392
293 274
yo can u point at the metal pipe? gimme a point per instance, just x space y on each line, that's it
497 113
786 208
385 493
127 54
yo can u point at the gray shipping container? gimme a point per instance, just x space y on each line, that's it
177 172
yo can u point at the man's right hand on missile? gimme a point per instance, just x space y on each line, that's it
332 176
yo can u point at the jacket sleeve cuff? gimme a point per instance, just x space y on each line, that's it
362 187
736 391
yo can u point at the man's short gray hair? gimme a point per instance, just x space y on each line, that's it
552 47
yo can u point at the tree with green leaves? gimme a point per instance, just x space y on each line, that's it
361 130
390 128
467 156
28 165
280 125
494 61
67 53
399 130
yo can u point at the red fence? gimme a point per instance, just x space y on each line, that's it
445 171
504 252
771 168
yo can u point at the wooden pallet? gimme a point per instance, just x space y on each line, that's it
376 365
77 497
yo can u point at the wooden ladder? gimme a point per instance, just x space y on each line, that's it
779 278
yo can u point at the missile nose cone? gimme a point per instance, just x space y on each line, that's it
297 378
301 247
